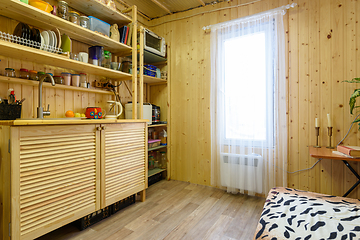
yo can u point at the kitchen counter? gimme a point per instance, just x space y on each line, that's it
65 121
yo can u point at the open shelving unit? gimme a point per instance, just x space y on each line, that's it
154 171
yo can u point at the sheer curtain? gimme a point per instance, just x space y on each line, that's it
248 103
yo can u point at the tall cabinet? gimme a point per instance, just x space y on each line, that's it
158 93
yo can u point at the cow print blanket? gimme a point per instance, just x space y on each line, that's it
295 214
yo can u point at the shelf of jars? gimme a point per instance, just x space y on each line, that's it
39 56
30 15
100 10
48 85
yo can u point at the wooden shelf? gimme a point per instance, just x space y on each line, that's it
156 148
22 12
99 10
48 85
157 125
152 80
39 56
154 171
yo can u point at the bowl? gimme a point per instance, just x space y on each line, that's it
41 5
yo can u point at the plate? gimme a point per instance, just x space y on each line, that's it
42 42
45 35
51 41
58 36
54 43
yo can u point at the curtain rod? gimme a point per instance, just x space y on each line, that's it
219 25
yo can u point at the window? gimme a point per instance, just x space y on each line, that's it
248 89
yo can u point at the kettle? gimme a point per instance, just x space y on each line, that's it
114 110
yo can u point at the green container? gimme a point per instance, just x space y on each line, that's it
25 1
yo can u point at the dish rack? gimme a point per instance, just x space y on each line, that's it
29 43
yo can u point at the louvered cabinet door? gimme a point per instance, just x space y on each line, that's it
55 177
123 169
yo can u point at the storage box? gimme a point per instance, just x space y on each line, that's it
153 143
99 26
150 70
10 111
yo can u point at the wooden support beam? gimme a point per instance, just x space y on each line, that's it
162 6
129 9
202 2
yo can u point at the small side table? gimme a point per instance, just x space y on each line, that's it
326 153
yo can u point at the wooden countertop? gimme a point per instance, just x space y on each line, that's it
327 153
66 121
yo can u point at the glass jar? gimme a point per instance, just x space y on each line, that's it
33 75
84 22
24 73
63 10
75 80
9 72
74 17
163 160
39 74
59 79
48 79
67 78
83 80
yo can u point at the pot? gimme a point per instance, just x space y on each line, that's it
94 113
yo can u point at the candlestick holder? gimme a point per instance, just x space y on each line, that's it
317 137
330 134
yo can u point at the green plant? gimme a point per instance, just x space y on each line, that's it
353 97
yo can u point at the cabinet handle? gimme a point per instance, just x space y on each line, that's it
103 127
98 128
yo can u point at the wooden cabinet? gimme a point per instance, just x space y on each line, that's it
53 175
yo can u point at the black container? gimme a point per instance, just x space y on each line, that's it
10 111
155 114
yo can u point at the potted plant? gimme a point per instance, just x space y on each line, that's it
353 97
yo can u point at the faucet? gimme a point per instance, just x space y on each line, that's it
40 110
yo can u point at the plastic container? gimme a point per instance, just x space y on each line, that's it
150 70
85 22
74 17
59 80
75 80
67 78
63 10
99 26
24 73
9 72
33 75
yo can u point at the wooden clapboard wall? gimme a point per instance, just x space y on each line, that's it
322 51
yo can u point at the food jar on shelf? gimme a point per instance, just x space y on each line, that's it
74 17
83 80
48 79
39 74
75 80
84 22
33 75
9 72
163 160
151 162
59 79
24 73
63 10
67 78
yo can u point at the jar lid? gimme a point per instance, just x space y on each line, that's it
83 74
41 73
23 70
32 71
62 2
9 69
73 12
75 75
65 73
84 17
50 74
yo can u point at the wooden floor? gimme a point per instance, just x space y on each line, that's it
176 210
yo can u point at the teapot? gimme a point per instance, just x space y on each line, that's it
114 110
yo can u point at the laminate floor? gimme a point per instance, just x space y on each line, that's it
176 210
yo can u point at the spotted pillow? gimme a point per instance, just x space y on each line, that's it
300 215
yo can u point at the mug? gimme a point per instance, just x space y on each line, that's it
84 57
94 113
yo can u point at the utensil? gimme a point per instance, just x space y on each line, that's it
94 113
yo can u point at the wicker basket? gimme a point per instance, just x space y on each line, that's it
10 111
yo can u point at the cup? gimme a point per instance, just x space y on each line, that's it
115 65
84 57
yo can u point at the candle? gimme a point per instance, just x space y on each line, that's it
316 122
329 120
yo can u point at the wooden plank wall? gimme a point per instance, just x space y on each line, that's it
322 51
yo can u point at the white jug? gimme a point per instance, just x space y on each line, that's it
115 110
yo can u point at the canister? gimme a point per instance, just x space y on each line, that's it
67 78
9 72
24 73
75 80
33 75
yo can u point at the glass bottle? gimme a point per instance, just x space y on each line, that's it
163 160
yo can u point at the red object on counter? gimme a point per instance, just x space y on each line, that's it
93 113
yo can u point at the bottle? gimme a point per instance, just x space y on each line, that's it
12 97
163 160
163 137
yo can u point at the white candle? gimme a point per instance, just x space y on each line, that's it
316 122
329 120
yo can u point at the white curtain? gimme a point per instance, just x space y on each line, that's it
249 103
